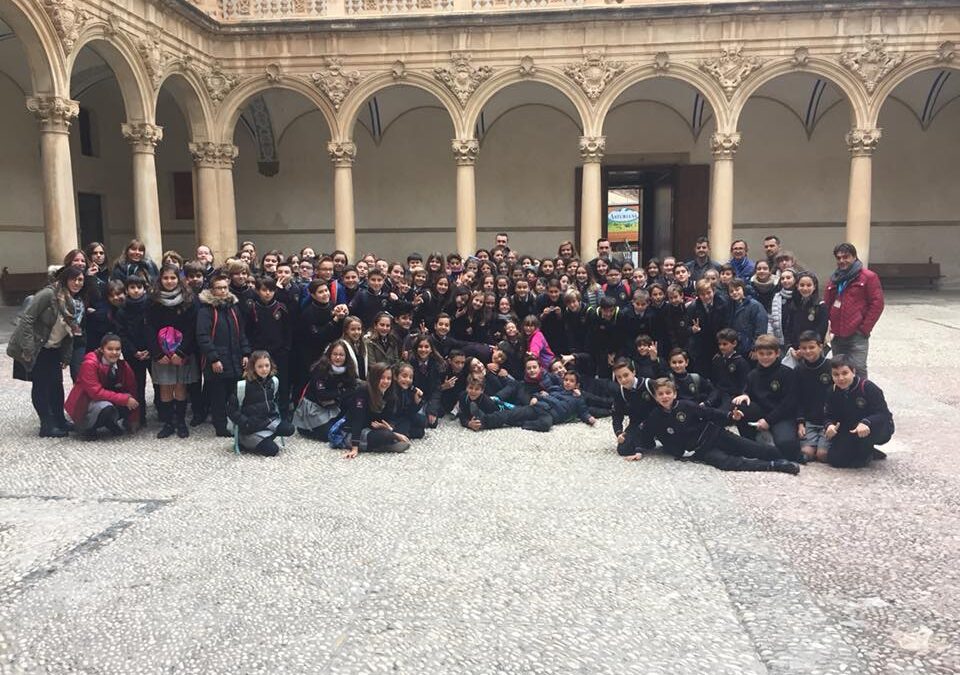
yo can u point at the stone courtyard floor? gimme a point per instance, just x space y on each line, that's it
496 552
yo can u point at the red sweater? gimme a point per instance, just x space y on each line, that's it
91 385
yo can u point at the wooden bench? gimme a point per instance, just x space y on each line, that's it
16 287
908 275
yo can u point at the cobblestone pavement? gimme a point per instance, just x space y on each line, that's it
503 551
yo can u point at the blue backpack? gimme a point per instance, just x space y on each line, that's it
339 435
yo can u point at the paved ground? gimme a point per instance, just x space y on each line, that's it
496 552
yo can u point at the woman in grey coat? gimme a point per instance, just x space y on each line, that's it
42 344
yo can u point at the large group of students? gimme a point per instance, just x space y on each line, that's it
725 364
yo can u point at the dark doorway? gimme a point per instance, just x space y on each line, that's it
90 217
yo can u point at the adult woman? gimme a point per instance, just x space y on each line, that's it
42 345
104 395
85 301
565 250
135 262
97 262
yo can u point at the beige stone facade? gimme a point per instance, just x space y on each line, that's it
449 65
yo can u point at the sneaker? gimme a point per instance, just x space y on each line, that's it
117 428
785 466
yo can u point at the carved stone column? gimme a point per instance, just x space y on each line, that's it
862 143
724 148
59 214
143 138
343 154
465 151
210 160
592 149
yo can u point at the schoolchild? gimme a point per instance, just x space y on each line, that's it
503 314
257 416
682 278
597 394
193 274
708 314
576 322
407 403
780 315
356 347
371 427
239 273
769 402
270 329
370 301
103 318
428 374
813 384
319 324
807 312
646 362
690 386
478 411
524 303
329 393
857 417
672 324
172 321
616 287
693 432
134 261
728 371
454 381
104 395
570 402
223 346
549 309
764 284
605 336
536 341
747 317
634 400
381 343
136 337
636 319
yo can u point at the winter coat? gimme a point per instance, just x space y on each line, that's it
182 317
146 269
749 319
383 351
135 335
34 327
861 304
259 407
93 384
220 333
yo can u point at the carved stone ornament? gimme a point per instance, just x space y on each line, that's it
219 83
151 51
53 112
334 81
465 151
724 146
399 70
801 57
462 78
142 136
862 142
594 73
872 63
731 68
946 52
274 73
592 148
114 26
661 62
527 67
342 153
68 20
214 155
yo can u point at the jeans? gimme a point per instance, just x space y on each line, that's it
46 391
856 347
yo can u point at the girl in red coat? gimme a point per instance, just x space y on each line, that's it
104 394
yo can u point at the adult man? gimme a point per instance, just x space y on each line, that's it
743 267
502 239
701 260
603 251
771 246
855 299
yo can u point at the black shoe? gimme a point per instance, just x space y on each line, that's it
223 433
88 435
785 466
285 429
196 420
117 428
67 426
166 430
182 431
878 454
52 432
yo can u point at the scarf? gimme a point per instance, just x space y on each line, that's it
776 312
337 370
763 286
841 278
170 298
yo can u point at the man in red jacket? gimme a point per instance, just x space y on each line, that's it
855 299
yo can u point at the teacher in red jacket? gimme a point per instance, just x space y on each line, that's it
855 299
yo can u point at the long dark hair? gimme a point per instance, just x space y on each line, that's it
378 401
321 367
185 291
814 298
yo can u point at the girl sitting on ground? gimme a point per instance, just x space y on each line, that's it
104 395
371 428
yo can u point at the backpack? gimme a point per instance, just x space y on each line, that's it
339 435
241 393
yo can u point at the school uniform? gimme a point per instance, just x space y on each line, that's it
136 336
632 324
576 326
221 337
325 399
773 397
712 318
636 403
523 305
406 414
361 416
690 431
672 328
427 377
270 327
620 292
749 319
728 374
172 322
258 418
862 401
692 387
99 322
814 382
552 324
805 316
492 415
605 339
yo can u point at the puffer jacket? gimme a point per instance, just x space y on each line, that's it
34 327
259 405
220 333
861 304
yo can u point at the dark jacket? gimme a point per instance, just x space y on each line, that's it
703 345
729 374
633 324
259 406
692 387
685 427
633 403
102 320
576 327
749 319
315 330
221 335
146 269
135 335
270 327
774 391
804 317
862 401
328 388
183 317
813 385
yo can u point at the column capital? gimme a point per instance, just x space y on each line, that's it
592 148
862 142
724 146
54 113
142 136
342 153
465 151
209 155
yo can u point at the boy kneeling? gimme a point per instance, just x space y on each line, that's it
691 431
857 417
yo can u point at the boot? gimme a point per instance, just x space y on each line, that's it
784 466
50 429
179 418
109 419
165 413
878 454
285 429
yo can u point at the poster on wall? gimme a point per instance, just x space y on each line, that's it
623 224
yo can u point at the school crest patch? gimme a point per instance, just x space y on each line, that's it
732 368
692 387
670 430
775 385
681 417
861 402
811 316
824 378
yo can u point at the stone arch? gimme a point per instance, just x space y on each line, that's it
575 122
907 70
372 85
502 81
676 113
135 86
839 77
707 87
232 106
189 94
40 44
